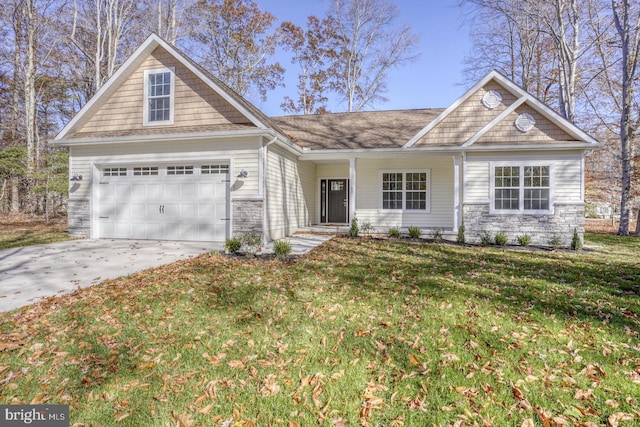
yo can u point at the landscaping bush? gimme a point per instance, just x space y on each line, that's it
251 242
485 238
437 236
366 227
500 239
394 232
555 242
576 243
281 248
460 237
524 239
414 232
232 245
354 230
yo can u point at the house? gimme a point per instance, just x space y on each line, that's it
166 151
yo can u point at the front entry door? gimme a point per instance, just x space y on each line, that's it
335 201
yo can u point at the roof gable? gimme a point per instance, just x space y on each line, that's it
469 122
202 102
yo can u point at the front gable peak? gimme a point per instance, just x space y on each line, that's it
159 89
497 112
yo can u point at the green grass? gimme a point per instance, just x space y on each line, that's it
358 332
32 234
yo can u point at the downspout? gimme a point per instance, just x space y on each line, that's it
263 186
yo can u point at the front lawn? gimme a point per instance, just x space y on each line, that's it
358 332
22 230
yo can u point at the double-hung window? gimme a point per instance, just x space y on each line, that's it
159 96
518 188
407 191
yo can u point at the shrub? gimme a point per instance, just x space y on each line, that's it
366 227
354 230
460 237
576 242
232 245
437 236
281 248
485 238
414 232
555 242
251 242
394 232
524 239
500 239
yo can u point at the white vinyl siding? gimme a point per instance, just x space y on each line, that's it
440 192
287 198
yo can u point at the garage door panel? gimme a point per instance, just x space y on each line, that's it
188 191
154 191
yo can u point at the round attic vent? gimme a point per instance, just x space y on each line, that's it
525 122
491 99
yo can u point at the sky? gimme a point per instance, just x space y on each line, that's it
432 81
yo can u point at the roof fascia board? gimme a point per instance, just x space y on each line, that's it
450 109
495 121
146 47
376 152
161 137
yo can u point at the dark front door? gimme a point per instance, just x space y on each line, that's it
336 201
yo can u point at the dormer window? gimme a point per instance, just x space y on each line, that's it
159 95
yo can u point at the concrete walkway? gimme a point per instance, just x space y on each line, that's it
30 273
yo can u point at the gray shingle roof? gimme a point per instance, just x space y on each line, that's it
364 130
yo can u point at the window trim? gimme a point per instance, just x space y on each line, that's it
521 210
172 93
404 173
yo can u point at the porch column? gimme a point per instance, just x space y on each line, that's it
352 189
456 193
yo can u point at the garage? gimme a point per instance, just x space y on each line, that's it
164 202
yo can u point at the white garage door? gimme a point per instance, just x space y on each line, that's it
182 202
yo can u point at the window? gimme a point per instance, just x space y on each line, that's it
114 172
159 88
213 169
405 190
179 170
521 188
145 171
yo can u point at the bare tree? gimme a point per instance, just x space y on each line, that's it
371 45
626 17
98 31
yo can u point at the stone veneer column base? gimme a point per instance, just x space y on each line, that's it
542 228
79 218
248 215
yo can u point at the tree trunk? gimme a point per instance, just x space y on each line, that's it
15 194
637 233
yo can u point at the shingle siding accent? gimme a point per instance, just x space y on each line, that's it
542 228
196 104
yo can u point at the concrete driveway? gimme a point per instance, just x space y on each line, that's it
33 272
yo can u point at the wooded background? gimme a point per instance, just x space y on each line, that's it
578 56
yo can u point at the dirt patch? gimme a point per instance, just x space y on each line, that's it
605 226
22 222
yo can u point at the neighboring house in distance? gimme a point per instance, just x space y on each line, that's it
167 151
